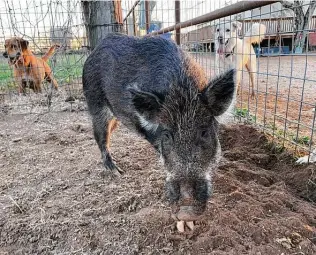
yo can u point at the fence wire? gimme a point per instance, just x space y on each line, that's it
284 69
42 24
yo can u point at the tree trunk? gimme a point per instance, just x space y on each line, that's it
307 18
299 23
301 37
100 20
301 20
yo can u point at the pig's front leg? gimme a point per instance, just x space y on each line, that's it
103 126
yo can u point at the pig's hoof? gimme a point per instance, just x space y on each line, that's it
112 172
111 168
116 172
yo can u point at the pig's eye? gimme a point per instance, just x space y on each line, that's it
166 136
166 139
204 138
204 134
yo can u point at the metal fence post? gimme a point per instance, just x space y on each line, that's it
147 15
134 22
177 16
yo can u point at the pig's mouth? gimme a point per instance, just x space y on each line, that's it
188 200
185 215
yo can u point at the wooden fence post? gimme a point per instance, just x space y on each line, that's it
100 18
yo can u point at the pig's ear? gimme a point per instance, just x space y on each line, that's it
147 104
219 93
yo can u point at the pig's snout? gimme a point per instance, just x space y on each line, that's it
190 197
193 198
189 213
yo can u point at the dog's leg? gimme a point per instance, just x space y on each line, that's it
251 66
55 84
21 90
238 79
49 77
37 86
18 80
216 64
252 78
103 125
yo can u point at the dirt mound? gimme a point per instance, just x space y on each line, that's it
54 198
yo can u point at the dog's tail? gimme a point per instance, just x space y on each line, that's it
50 52
256 33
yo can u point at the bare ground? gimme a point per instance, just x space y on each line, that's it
54 198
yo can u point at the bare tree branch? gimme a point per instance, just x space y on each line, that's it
301 19
311 8
288 4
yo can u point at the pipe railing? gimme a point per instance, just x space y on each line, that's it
217 14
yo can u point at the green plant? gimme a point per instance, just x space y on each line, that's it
241 112
305 140
244 113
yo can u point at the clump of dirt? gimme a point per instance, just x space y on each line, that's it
55 199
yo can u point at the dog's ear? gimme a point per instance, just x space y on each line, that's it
237 25
24 43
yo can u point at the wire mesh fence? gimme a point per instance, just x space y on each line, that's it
281 62
40 24
276 58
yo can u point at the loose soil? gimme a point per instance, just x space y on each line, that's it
55 198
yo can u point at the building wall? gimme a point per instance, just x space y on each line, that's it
275 27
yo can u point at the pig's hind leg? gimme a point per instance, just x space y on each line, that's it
104 124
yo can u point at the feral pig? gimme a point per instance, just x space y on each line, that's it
155 89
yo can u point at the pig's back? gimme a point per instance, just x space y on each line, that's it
153 63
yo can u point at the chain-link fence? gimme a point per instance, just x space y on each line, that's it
41 25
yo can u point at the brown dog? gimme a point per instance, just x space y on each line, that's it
28 69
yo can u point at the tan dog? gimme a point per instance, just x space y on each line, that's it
28 69
229 46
